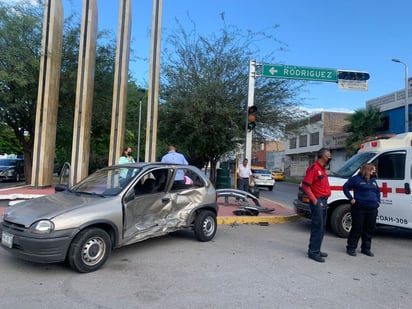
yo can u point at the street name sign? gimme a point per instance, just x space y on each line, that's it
361 85
297 72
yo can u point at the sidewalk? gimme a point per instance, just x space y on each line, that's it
281 214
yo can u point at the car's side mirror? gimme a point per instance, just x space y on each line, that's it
129 196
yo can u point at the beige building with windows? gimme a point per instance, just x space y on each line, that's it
325 129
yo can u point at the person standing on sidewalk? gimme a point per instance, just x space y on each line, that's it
126 156
316 185
174 157
364 208
244 175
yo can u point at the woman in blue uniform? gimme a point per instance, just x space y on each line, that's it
364 208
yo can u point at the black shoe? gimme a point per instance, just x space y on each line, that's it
317 258
351 252
368 252
323 254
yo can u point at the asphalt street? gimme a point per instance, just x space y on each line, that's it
245 266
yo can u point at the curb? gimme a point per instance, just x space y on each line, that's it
236 220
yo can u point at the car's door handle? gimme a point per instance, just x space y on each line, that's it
165 200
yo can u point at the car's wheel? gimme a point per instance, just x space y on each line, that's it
17 179
270 188
89 250
341 220
205 225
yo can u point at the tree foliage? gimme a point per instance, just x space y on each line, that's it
20 45
20 42
205 88
363 123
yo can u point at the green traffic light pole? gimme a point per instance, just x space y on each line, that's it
250 102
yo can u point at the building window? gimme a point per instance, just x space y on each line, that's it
292 143
314 139
303 141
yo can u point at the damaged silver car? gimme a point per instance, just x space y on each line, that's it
113 207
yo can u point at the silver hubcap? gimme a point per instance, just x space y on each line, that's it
208 226
347 222
93 251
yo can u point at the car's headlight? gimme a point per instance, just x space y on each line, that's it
11 172
42 227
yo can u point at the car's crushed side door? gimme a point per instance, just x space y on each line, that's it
146 212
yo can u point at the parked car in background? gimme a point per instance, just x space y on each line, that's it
277 174
113 207
12 169
263 178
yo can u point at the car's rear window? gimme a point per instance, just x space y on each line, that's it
260 171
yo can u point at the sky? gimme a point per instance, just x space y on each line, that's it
350 35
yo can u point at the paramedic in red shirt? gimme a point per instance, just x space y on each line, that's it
316 186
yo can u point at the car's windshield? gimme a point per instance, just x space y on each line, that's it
349 168
8 162
107 181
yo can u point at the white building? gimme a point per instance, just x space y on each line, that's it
322 130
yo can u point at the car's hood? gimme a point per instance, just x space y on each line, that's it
47 207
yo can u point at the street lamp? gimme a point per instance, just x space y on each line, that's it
406 94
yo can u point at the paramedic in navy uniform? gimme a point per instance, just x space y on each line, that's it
316 186
364 208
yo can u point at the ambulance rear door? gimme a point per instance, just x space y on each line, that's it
394 179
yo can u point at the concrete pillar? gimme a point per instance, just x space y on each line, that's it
153 95
120 82
48 95
84 93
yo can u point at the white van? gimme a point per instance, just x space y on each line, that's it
393 158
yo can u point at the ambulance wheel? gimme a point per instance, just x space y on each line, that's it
341 220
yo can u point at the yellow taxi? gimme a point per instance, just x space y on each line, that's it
277 174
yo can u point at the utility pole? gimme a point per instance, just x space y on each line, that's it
250 102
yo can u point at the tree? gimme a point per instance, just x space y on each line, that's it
204 94
20 43
363 123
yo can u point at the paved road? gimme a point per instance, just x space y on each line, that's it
246 266
283 193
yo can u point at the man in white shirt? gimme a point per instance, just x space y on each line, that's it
244 175
174 157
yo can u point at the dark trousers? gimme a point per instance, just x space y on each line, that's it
317 226
363 226
243 184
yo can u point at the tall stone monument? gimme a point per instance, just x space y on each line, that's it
48 95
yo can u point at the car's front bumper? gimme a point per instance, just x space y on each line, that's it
39 248
302 209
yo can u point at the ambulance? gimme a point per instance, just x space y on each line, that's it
392 158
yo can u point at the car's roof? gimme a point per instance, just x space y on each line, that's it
154 164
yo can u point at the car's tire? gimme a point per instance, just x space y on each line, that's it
89 250
270 188
341 220
205 225
17 179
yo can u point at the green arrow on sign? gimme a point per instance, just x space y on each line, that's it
296 72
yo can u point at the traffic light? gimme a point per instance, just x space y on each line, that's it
353 75
251 117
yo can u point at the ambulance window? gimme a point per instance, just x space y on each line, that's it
391 165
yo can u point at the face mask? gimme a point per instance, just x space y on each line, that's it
129 153
373 175
328 161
